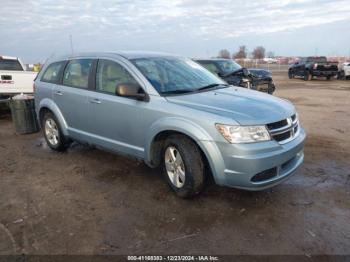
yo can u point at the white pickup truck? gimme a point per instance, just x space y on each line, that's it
13 77
344 71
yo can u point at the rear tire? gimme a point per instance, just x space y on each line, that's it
53 133
341 75
183 166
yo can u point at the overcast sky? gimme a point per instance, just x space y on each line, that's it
35 30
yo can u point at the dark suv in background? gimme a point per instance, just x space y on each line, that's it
234 74
311 66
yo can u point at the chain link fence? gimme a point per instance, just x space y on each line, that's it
266 66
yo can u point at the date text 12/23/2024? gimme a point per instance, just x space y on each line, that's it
173 258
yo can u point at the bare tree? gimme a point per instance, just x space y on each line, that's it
259 52
224 53
242 52
270 54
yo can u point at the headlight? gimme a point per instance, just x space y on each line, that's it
243 134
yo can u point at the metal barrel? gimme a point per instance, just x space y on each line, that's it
24 116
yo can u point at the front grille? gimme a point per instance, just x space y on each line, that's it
281 137
278 124
294 117
284 130
296 129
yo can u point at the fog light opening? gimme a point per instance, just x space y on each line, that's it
265 175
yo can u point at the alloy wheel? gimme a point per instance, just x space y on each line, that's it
175 167
51 131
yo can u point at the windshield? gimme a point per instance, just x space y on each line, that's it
9 64
320 59
176 75
228 66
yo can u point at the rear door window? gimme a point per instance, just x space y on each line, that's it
52 73
77 73
10 64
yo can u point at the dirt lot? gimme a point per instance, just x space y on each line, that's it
87 201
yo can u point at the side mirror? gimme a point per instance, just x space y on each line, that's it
132 91
245 72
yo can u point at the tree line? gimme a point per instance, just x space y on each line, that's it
258 53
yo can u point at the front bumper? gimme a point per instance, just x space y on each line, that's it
238 164
264 85
324 73
268 88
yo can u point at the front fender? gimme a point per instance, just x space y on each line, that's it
192 130
308 67
49 104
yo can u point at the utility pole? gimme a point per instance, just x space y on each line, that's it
71 43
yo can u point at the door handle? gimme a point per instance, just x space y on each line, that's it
95 101
59 93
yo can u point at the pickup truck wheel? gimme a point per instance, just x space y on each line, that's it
183 166
341 75
290 74
52 133
307 76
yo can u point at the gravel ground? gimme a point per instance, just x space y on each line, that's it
87 201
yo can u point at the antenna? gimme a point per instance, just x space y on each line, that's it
71 43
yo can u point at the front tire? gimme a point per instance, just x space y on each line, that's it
183 166
290 74
271 89
307 76
53 133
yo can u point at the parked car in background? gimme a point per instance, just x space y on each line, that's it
170 112
311 66
344 71
234 74
263 80
13 77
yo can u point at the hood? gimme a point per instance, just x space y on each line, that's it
245 106
260 73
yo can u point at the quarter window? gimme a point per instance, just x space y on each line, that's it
52 73
77 73
110 74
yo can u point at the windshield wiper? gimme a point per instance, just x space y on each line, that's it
184 91
210 86
178 91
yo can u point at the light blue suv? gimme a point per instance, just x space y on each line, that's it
171 112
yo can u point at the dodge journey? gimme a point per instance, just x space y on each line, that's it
171 113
